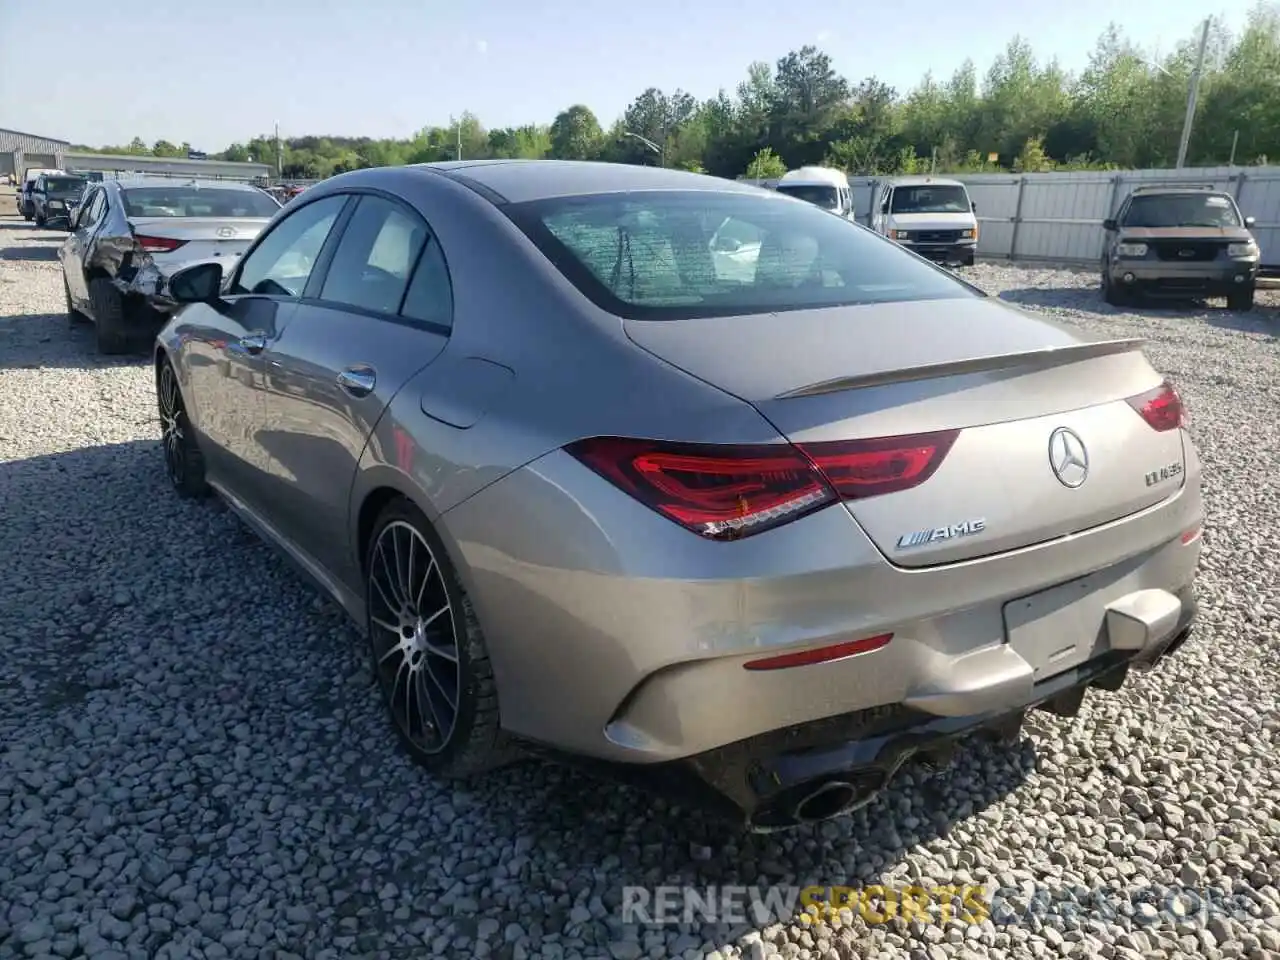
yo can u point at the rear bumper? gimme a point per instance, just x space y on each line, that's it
610 639
832 767
1166 278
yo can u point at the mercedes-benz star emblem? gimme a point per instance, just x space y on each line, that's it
226 231
1068 457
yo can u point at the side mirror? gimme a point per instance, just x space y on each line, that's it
1109 224
973 206
1249 222
198 283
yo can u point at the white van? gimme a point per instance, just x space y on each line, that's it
821 186
930 215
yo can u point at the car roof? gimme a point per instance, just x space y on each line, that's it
1179 192
519 181
923 181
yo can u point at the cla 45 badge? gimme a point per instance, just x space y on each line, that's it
1170 472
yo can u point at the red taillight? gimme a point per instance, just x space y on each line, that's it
804 658
869 468
157 244
725 492
1161 407
719 492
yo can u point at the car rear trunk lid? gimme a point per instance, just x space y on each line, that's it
1005 380
174 241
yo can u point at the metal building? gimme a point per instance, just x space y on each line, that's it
19 151
116 164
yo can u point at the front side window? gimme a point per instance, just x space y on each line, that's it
188 201
375 256
930 199
93 212
1183 210
282 263
677 255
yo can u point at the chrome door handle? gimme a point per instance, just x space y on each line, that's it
357 381
254 343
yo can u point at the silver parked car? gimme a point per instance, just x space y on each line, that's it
680 475
128 237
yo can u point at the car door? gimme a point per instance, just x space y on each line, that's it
223 344
381 311
73 250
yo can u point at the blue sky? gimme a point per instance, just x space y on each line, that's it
213 73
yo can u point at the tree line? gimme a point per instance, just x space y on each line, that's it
1124 110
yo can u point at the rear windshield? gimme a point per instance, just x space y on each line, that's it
1182 210
822 196
930 199
63 184
676 255
179 201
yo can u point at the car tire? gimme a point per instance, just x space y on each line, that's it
108 317
967 261
183 461
40 221
418 616
1242 301
1116 298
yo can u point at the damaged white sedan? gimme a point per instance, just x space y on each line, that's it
129 236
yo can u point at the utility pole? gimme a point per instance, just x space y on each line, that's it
279 154
457 128
1192 94
1235 140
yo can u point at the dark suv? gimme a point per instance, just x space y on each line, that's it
1179 242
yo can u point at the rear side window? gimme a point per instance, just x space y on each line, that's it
371 265
677 255
430 296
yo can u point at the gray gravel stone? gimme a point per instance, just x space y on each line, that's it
194 763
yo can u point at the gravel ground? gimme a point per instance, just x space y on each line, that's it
195 763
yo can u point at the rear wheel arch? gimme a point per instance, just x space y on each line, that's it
385 490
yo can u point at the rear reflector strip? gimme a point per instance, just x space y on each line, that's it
1192 535
803 658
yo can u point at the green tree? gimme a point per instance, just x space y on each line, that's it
765 165
575 134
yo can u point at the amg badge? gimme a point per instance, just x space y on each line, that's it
1171 472
921 537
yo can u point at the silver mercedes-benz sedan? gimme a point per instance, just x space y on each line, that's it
681 476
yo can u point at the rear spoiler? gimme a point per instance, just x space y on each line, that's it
1041 359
